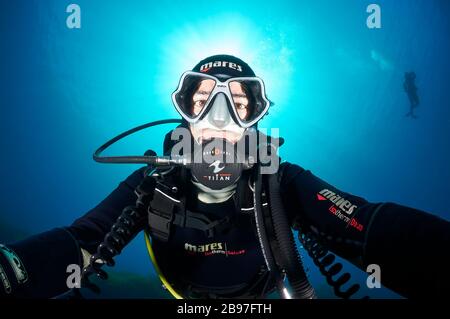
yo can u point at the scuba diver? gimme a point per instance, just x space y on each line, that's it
223 228
411 89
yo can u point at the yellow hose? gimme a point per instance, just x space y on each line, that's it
158 271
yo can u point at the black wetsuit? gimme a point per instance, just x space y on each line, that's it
410 246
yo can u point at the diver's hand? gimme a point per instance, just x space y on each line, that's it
128 225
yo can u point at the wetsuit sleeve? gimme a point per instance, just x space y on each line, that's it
37 266
409 245
90 229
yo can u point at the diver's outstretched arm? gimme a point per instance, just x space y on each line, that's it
37 266
409 245
91 228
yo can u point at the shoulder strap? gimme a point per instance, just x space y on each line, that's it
161 213
167 209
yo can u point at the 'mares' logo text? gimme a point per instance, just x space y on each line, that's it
345 205
217 64
203 248
212 249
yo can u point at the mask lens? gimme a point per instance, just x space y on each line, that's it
248 99
194 93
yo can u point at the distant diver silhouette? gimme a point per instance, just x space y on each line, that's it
411 89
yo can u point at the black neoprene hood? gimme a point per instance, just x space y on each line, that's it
224 66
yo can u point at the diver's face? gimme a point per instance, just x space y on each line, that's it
218 123
201 95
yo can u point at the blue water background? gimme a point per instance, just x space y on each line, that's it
337 88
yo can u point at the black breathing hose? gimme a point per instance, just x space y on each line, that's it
132 220
326 262
129 159
262 233
290 258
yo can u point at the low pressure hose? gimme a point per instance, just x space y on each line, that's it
328 266
291 261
